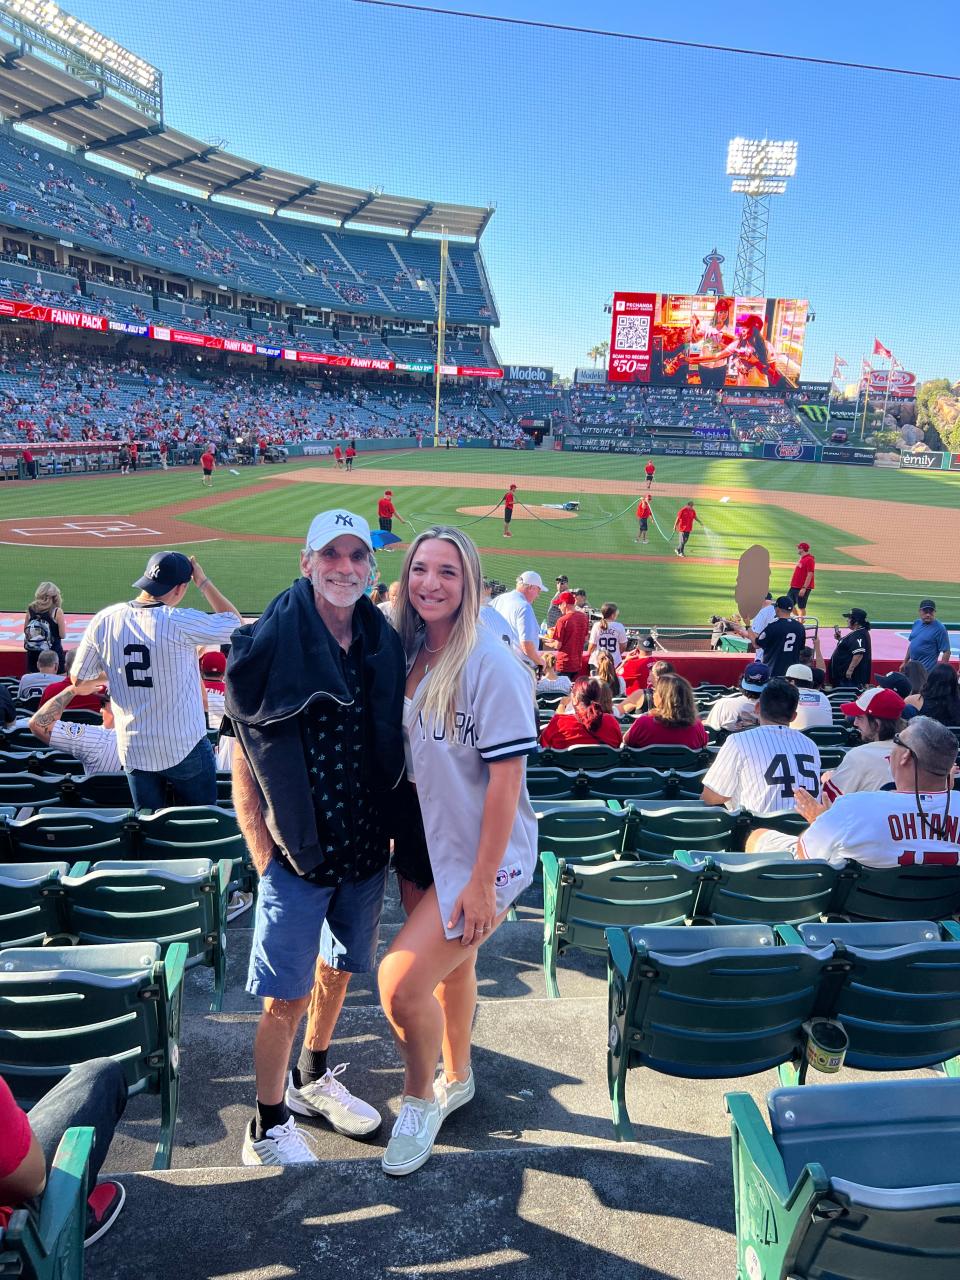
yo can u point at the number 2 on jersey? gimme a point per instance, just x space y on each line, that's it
137 668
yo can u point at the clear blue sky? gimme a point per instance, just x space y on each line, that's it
605 157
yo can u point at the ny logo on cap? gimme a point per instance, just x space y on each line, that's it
343 518
154 572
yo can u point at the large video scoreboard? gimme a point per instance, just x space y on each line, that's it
674 339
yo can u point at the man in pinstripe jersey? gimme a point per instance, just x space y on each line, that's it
146 649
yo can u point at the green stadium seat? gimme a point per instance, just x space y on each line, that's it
73 835
47 1243
225 790
705 1002
682 759
581 902
29 909
18 762
97 791
581 829
180 900
29 789
698 828
197 831
837 736
748 888
830 757
925 892
593 759
555 784
57 762
628 785
814 1201
900 1002
66 1005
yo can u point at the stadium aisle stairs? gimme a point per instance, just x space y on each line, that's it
526 1181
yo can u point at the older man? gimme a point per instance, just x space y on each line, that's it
321 748
516 608
905 827
94 745
929 638
147 649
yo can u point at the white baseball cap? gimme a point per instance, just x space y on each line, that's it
331 524
799 671
531 579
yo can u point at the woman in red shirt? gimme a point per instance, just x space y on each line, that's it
673 721
587 726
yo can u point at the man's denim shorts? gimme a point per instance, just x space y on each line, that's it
297 921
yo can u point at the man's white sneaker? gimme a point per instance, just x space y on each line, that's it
327 1097
451 1094
413 1136
239 902
283 1144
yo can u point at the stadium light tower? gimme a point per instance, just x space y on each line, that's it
760 168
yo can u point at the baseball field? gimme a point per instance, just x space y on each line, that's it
882 538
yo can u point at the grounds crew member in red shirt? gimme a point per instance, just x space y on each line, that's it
684 526
802 582
338 456
350 455
644 513
508 500
649 469
386 512
207 462
569 635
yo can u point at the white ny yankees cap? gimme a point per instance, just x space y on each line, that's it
331 524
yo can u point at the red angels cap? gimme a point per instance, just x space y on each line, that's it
388 493
803 546
513 486
884 704
213 663
566 597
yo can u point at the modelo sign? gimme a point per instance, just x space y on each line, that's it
528 373
921 461
586 376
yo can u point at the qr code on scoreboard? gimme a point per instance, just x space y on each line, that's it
633 333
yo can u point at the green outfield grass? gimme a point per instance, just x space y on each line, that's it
672 592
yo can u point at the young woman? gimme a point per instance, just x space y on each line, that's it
941 696
606 673
587 724
551 681
468 724
44 625
916 673
673 721
607 636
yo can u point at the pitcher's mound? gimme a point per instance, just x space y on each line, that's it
530 512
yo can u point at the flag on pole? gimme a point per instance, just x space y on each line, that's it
880 350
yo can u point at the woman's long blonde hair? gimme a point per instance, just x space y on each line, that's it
47 598
438 697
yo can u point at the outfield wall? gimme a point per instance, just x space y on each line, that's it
830 453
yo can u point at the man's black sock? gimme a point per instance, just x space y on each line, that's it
311 1065
269 1114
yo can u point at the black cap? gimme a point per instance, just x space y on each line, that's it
856 615
928 604
165 570
896 681
783 602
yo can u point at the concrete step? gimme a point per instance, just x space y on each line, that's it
528 1212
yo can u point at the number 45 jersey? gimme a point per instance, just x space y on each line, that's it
147 653
759 769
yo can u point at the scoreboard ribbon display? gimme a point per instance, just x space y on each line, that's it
631 337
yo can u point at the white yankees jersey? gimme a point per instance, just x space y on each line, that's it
611 640
759 768
149 655
35 682
92 744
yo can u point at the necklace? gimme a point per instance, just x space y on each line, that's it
438 648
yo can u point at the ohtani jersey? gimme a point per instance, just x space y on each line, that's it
759 768
149 656
886 829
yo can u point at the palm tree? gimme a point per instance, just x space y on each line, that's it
602 349
594 355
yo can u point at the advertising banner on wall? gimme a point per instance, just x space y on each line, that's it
784 452
590 377
850 457
528 373
631 337
921 461
902 384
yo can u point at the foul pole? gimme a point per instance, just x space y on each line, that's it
441 334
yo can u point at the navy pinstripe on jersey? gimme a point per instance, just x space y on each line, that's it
759 768
148 654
